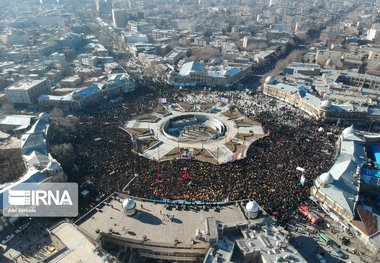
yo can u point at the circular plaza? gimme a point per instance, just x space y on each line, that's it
213 133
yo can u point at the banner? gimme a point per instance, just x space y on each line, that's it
302 180
162 100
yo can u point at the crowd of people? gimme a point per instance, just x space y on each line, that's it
106 161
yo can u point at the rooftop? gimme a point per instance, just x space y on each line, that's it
77 247
152 220
26 84
191 67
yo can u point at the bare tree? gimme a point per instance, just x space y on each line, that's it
7 107
64 153
204 53
65 127
295 55
56 113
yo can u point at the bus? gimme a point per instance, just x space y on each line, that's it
324 239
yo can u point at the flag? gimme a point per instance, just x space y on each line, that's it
186 175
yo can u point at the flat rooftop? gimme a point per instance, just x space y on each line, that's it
77 247
25 84
155 222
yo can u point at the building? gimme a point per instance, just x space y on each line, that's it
16 123
373 33
133 38
353 84
37 164
336 96
79 99
337 191
138 229
373 61
26 92
104 7
194 74
306 69
119 18
141 26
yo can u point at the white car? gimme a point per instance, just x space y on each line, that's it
7 239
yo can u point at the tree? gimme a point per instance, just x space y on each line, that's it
64 153
204 53
56 113
64 127
7 107
295 55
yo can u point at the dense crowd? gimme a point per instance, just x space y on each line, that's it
269 174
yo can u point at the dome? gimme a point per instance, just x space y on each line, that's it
326 104
252 207
53 165
326 178
43 116
269 80
129 204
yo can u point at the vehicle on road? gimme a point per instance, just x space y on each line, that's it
323 238
313 218
320 258
7 239
22 227
336 248
51 250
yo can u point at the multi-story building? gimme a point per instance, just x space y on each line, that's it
79 99
353 84
337 191
119 17
309 101
194 74
374 33
141 26
373 61
26 92
242 231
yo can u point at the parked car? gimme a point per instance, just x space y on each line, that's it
7 239
22 227
320 258
336 248
51 250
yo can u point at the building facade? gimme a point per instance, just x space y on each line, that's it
27 92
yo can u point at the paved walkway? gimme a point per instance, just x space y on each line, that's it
216 148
